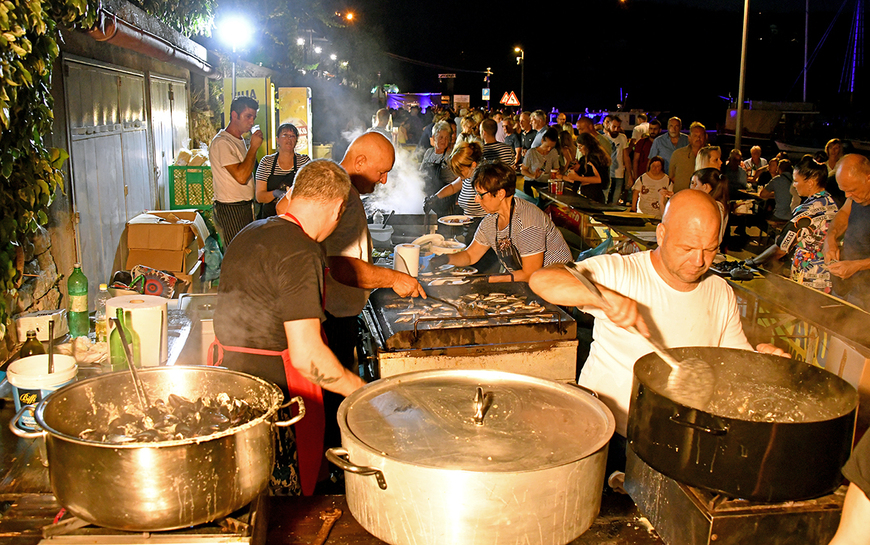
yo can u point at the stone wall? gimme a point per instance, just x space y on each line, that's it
39 289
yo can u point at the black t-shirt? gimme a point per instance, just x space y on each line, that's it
272 273
857 469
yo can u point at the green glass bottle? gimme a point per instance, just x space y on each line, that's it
116 349
32 346
77 287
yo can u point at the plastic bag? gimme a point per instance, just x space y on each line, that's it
601 249
213 259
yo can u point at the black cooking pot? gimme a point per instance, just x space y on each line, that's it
775 429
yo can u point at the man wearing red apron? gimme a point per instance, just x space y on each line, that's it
269 311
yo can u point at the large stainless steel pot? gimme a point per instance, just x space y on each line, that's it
164 485
791 450
473 457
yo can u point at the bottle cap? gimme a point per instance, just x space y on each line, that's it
77 265
31 332
104 287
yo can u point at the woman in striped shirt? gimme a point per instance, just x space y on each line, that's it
523 237
276 172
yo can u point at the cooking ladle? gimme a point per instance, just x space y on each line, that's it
690 382
137 382
387 219
50 346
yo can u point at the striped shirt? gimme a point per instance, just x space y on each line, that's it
265 166
533 232
466 200
499 151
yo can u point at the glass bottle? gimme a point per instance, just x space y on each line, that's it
116 349
101 325
32 346
77 287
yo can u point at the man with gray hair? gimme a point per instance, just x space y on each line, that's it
850 265
539 123
664 145
270 307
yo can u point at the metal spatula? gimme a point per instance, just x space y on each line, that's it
690 382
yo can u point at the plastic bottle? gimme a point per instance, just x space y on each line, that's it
32 346
116 349
101 325
378 218
77 287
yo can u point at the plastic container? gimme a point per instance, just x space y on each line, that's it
101 324
381 235
31 382
190 187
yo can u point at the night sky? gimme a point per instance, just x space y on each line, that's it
671 56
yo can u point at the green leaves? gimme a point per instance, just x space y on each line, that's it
30 174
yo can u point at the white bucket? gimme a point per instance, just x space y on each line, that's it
31 382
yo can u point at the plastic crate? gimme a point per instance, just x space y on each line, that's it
190 187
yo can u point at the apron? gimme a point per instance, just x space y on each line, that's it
505 250
277 181
309 430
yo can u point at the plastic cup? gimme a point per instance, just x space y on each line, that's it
31 382
556 187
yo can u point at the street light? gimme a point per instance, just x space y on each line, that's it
235 31
300 41
521 60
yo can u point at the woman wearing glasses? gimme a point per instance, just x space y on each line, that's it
276 172
522 236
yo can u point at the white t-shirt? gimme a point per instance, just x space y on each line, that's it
351 238
639 130
226 149
619 143
649 200
705 316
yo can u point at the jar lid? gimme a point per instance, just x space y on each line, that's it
428 418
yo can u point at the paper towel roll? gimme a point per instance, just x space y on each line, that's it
149 320
406 258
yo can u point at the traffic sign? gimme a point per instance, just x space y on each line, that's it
485 94
504 98
512 100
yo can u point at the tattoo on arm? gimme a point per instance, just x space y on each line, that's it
319 378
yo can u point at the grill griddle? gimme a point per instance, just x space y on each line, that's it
467 331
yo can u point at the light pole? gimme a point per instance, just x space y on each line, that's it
521 60
739 128
235 32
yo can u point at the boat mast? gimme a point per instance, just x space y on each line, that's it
740 91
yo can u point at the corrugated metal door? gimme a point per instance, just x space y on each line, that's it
170 127
109 159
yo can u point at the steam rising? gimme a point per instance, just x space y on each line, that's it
403 191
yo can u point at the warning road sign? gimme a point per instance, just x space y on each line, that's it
512 100
504 98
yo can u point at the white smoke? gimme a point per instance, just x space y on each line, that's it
403 191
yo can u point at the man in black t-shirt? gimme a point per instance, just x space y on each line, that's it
271 300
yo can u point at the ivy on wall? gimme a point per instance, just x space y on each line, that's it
29 170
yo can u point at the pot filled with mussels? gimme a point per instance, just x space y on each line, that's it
774 429
200 448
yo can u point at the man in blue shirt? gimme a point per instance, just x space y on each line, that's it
664 145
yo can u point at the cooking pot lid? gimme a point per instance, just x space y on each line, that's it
427 418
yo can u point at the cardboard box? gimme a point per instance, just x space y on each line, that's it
172 230
174 261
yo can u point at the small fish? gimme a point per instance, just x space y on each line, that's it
403 319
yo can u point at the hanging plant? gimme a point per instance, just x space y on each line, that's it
29 171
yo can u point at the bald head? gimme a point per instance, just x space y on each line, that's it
368 160
853 177
688 239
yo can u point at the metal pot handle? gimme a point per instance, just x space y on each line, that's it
21 433
295 419
341 458
712 431
589 391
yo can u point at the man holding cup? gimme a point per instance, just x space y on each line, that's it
232 167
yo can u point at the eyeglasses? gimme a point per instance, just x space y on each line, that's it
288 135
482 195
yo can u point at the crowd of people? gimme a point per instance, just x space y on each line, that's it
312 245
